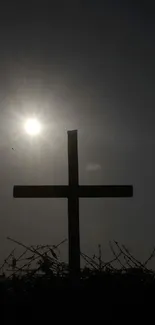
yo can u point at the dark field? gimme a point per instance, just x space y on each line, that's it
40 287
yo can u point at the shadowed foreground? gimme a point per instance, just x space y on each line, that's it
36 283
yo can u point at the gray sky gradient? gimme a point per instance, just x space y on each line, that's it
88 66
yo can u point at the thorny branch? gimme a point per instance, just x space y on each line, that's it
45 259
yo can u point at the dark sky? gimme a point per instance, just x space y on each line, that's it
86 65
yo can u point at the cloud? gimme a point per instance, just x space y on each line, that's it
93 167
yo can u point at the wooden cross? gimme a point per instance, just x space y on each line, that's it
73 192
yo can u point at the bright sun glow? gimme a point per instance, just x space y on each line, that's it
32 126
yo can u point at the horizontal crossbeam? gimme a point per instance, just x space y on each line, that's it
105 191
47 191
41 191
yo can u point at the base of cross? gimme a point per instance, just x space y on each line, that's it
73 192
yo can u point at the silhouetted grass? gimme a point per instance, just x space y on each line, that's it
38 278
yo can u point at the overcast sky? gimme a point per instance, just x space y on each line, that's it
86 65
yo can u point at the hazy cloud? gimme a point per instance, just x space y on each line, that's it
92 167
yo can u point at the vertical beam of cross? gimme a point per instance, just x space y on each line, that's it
73 203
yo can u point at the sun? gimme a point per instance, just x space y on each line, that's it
32 126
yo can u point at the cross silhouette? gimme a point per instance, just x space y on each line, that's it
73 192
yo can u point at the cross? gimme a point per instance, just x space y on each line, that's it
73 192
